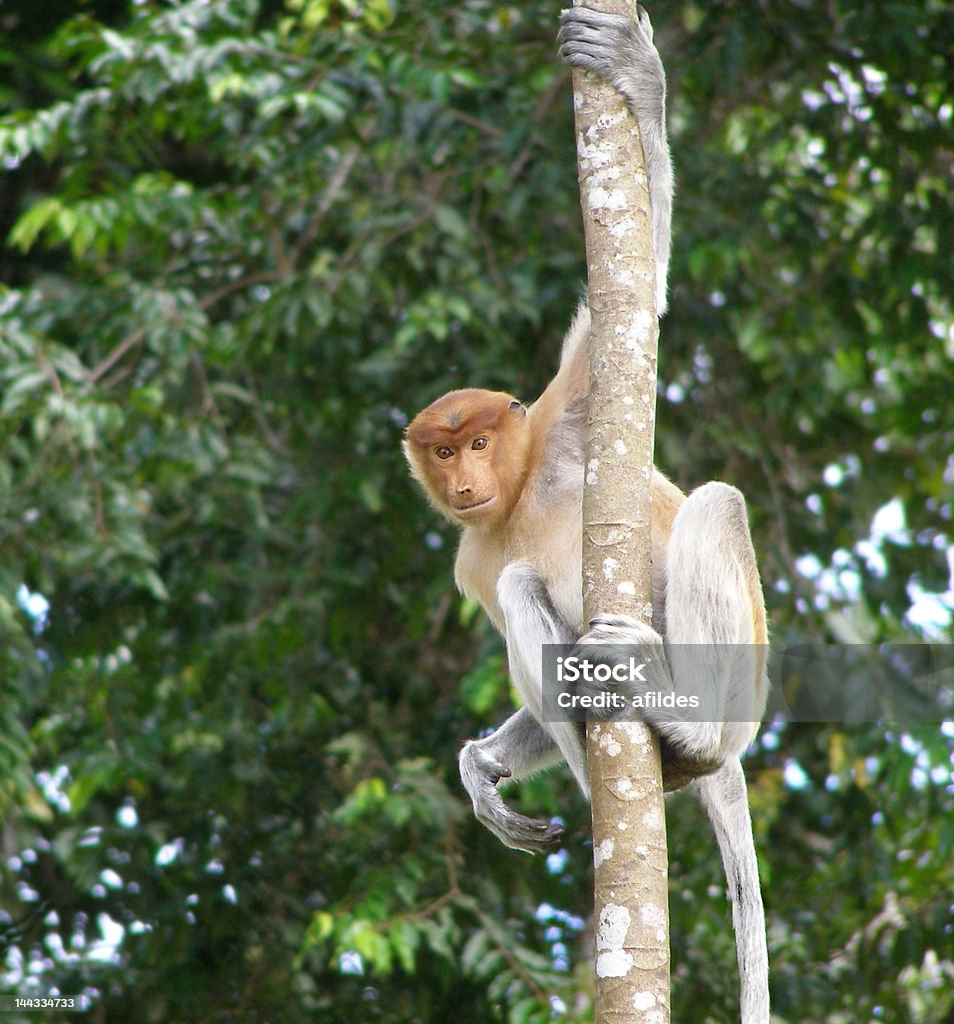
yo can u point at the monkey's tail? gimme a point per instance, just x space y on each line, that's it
725 798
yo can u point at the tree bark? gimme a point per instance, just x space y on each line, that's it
629 826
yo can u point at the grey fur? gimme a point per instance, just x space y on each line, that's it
560 478
622 53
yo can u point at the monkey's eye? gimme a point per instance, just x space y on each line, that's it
479 444
443 452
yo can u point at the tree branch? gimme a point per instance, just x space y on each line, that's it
629 826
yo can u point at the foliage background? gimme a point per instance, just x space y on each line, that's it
244 242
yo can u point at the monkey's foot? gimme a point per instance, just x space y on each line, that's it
618 640
620 629
690 748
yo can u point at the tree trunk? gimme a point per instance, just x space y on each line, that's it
629 826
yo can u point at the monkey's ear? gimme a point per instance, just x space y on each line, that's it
515 405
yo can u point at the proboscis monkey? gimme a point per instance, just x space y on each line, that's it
511 477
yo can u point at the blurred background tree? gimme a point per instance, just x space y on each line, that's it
244 242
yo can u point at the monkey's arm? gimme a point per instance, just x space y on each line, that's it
516 749
622 53
522 745
532 621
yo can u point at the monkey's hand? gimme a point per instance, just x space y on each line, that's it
622 53
480 773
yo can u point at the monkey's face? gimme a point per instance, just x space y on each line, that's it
472 490
468 451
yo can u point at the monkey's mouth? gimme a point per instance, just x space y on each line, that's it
466 510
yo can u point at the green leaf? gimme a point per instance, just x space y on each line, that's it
35 220
405 939
319 930
23 387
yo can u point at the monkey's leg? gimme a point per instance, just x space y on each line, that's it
715 618
516 749
709 660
